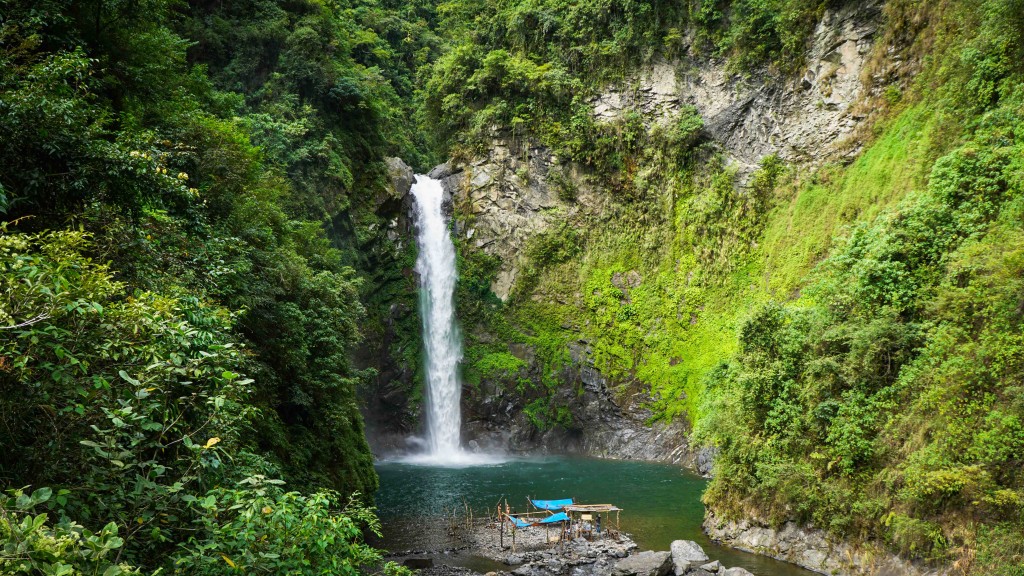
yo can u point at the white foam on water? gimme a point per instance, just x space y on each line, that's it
461 459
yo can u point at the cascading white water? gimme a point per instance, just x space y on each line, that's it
435 265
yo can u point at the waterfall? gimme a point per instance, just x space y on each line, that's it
435 265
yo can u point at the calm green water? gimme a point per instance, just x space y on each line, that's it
660 503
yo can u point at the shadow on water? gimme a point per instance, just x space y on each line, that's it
660 503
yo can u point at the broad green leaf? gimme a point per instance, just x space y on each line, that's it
41 495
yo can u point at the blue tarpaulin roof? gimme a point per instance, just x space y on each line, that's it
560 517
520 523
553 519
552 504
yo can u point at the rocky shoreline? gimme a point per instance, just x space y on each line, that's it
539 553
812 549
595 559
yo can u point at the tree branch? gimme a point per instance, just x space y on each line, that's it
35 320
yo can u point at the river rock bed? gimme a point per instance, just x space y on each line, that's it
686 558
538 553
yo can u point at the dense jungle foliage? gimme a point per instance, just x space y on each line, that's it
848 336
191 256
181 186
529 67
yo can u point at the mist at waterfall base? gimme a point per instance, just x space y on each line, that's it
442 342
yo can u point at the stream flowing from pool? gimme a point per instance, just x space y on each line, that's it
660 502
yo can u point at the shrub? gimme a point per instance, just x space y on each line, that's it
33 546
257 528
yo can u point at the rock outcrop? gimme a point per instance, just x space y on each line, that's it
395 204
602 424
510 194
647 563
801 118
517 190
813 549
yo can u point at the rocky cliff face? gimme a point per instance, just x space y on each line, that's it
391 346
511 194
601 424
516 190
804 119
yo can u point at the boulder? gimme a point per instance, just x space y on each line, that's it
712 566
688 550
686 553
530 570
735 572
644 564
706 461
441 171
402 176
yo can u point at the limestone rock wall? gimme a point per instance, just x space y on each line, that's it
510 194
516 190
802 119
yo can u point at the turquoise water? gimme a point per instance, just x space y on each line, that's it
660 503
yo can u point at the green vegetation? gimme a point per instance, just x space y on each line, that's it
530 67
186 195
848 336
883 402
193 250
33 547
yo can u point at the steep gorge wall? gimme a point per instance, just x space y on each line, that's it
493 409
516 193
517 190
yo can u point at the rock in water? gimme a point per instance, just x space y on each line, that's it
686 553
644 564
735 572
418 563
712 566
